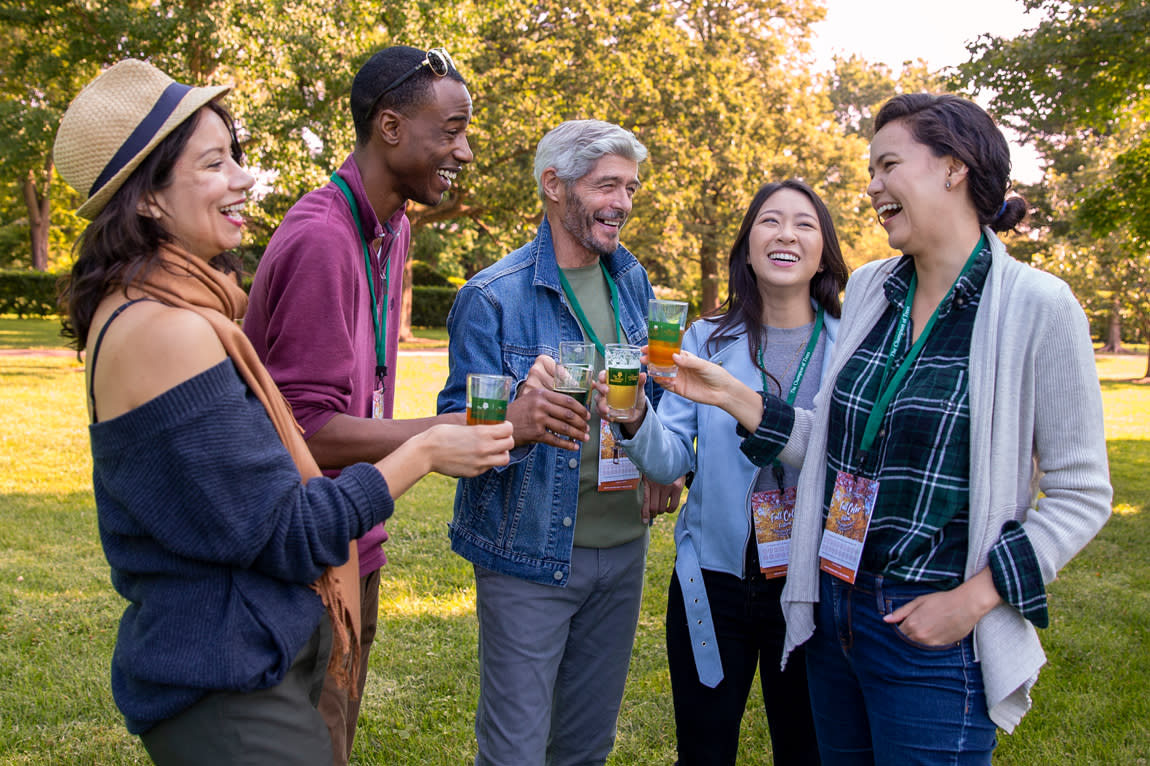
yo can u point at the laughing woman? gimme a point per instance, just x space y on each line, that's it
723 617
962 418
219 530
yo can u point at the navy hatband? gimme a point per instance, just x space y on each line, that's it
144 132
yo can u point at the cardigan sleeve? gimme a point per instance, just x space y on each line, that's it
1069 437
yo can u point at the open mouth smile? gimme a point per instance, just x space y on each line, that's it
234 213
887 211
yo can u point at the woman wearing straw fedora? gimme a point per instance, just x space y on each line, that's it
229 545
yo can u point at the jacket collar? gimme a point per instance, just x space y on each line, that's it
547 268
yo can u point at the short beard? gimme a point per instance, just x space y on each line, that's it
578 221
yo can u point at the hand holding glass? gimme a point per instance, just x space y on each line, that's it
487 397
575 370
665 323
622 381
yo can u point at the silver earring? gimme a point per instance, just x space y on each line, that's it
948 184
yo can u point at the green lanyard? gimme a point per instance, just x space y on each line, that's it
379 322
810 351
888 390
583 317
776 466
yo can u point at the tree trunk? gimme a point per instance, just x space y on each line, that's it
405 333
1113 343
1146 336
709 273
39 217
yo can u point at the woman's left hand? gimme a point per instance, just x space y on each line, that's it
947 617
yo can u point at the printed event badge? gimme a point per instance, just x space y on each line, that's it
616 471
773 512
847 523
377 403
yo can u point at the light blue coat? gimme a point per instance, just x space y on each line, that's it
714 527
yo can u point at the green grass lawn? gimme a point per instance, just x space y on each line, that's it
58 613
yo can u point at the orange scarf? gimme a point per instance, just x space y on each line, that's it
179 279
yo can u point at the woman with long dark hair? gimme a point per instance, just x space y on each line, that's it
773 333
219 529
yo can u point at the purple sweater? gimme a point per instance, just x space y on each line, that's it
310 313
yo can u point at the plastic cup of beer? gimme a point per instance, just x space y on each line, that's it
487 397
575 370
622 381
665 323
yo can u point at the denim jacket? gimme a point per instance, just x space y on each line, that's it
519 519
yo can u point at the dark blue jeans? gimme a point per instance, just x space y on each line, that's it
880 698
749 628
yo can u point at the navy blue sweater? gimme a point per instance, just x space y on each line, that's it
214 541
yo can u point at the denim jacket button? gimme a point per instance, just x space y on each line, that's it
573 463
566 521
558 575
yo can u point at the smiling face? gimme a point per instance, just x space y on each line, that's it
785 243
432 146
593 209
201 207
908 189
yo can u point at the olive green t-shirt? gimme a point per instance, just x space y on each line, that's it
605 519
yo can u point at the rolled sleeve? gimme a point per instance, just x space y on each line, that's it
1017 575
773 433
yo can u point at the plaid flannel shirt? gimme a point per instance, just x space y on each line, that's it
921 458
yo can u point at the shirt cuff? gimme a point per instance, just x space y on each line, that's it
768 440
1017 576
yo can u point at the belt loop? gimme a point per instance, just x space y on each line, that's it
878 597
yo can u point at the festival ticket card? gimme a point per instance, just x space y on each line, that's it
847 522
773 512
616 471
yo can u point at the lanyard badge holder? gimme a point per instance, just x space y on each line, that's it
773 511
616 471
853 499
378 308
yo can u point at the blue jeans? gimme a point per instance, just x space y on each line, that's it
879 698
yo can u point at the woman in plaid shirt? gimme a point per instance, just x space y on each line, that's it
954 461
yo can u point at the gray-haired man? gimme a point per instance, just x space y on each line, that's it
559 550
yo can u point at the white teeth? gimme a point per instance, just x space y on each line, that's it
615 222
785 257
235 209
887 210
448 174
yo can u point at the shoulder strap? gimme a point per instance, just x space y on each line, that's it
96 350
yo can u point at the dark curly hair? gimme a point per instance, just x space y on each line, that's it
120 245
743 309
954 126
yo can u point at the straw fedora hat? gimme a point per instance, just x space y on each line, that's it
113 124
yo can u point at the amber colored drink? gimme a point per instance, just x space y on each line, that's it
486 412
665 323
621 388
660 345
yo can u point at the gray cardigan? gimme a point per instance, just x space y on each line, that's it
1036 427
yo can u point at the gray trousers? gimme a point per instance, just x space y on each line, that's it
553 661
278 725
